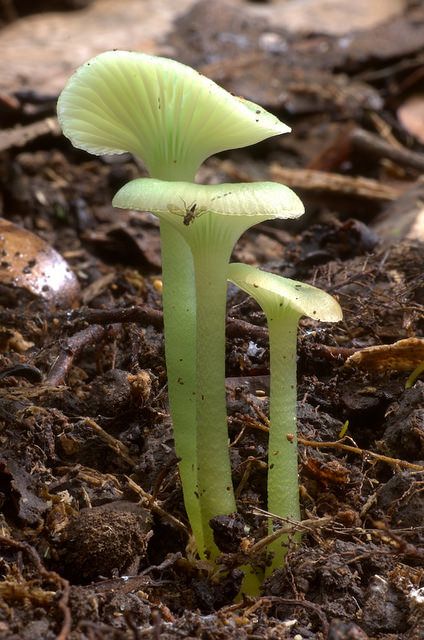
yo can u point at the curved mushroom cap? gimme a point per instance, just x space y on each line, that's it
271 290
166 113
174 199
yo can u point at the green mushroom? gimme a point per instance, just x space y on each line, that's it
284 302
210 221
172 118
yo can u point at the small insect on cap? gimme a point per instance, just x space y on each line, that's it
275 293
162 111
197 210
183 202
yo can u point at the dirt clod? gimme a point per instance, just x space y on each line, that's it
405 431
103 541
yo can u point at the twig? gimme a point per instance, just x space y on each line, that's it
264 600
374 145
152 504
20 136
116 445
237 328
323 181
292 528
338 444
144 314
70 350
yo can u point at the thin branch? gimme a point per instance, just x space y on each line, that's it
70 350
338 444
151 503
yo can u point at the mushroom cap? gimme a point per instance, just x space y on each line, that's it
273 293
160 110
173 199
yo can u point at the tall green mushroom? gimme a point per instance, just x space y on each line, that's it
172 118
210 224
284 301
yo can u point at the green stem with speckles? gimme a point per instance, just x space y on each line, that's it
283 486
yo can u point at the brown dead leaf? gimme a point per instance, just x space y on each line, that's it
404 217
404 355
411 115
28 263
13 340
29 506
326 472
334 17
41 51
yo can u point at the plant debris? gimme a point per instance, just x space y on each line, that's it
95 542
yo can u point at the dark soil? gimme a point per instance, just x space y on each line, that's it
93 534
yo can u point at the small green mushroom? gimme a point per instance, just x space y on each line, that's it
172 118
160 110
284 301
224 212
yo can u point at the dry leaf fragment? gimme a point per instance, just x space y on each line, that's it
335 17
28 263
403 355
326 472
13 340
411 115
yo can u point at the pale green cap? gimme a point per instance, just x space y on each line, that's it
273 293
160 110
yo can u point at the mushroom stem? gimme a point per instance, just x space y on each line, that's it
215 486
283 487
284 301
221 213
179 310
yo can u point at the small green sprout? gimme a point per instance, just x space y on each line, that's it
227 211
172 118
284 301
414 376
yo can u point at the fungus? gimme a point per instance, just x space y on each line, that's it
172 118
283 301
224 212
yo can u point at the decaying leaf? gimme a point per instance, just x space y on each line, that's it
13 340
326 472
403 355
411 115
335 17
29 264
29 507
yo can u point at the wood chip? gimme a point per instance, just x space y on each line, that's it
20 136
404 355
310 180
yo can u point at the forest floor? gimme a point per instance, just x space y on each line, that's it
93 531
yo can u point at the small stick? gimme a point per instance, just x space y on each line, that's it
144 314
70 350
20 136
154 506
323 181
295 603
338 444
116 445
379 148
292 528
